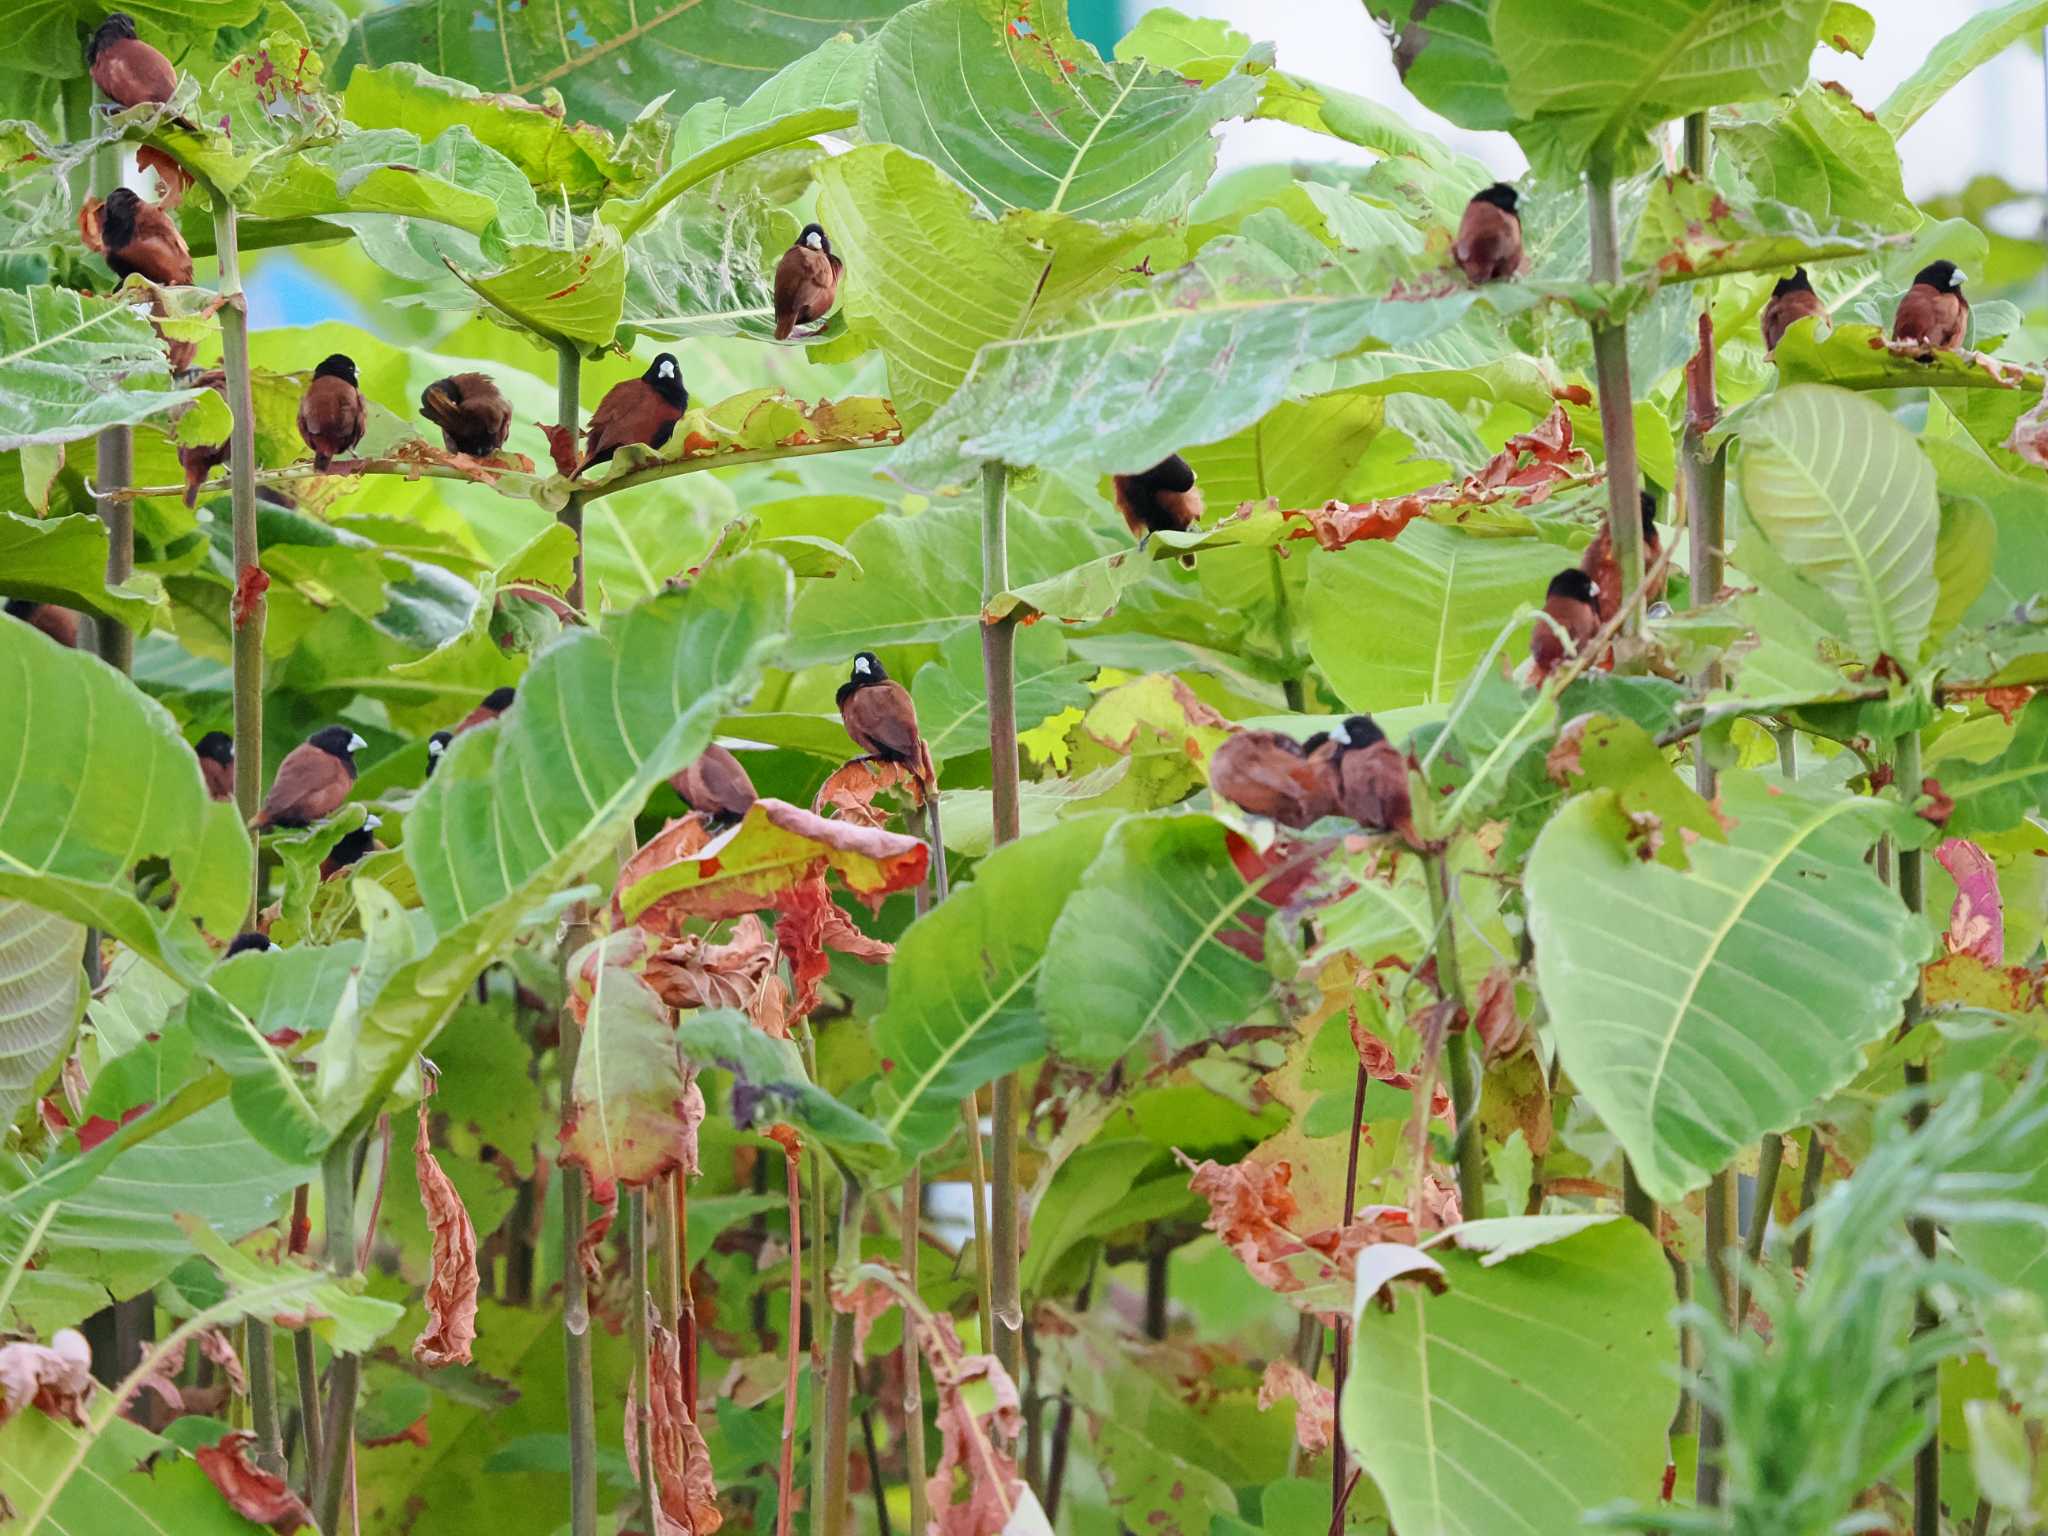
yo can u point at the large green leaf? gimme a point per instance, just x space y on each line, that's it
1697 1011
770 1084
1846 497
64 560
517 811
42 994
1817 152
1854 356
1032 118
1438 597
111 782
561 295
1601 80
963 993
128 1480
626 1114
1977 41
1139 952
1445 53
1998 795
1476 1410
71 364
608 58
47 36
706 268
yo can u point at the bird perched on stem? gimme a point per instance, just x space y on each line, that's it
351 849
806 281
1599 563
715 786
1791 301
313 780
643 410
494 704
1571 617
247 941
1270 774
138 236
1489 243
1371 776
473 417
216 753
127 70
881 719
437 747
331 413
1161 499
60 624
1933 311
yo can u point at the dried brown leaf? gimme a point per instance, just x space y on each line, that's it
214 1344
452 1286
1315 1416
971 1442
692 972
56 1377
686 1495
251 1492
850 793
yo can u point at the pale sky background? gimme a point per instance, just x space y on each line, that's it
1993 122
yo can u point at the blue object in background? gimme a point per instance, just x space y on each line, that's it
282 292
1100 22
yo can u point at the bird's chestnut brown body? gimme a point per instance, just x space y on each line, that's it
140 237
879 715
127 70
313 780
473 416
216 753
60 624
1271 774
643 410
1488 247
1933 311
1598 562
331 411
1572 605
1791 301
806 281
715 785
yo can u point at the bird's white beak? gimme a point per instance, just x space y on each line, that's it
1341 736
372 823
436 748
861 666
1593 587
355 742
1958 279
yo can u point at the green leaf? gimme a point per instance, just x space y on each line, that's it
1138 952
345 1321
769 1079
1854 356
520 809
1844 494
559 295
112 782
1603 85
1848 28
1652 977
1453 1399
1976 42
1448 60
1998 795
706 268
952 698
963 992
71 364
64 560
1818 153
127 1480
1439 596
42 995
609 56
45 36
627 1105
954 83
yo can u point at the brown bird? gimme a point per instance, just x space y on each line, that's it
1573 602
882 721
199 460
351 849
138 236
495 703
1792 300
1933 310
1160 499
127 70
313 780
806 281
216 753
643 410
1489 243
246 941
331 414
472 415
60 624
1372 779
1599 563
1270 774
437 745
715 785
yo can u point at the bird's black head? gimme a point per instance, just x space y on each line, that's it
1649 514
1575 584
244 942
1502 196
339 366
665 374
117 216
437 744
353 845
337 741
117 26
1943 276
1172 473
867 668
216 747
1796 283
500 699
813 235
1358 731
18 608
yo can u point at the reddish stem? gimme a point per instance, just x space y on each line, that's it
785 1474
1340 1353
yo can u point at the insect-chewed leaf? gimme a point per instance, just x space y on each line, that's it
632 1114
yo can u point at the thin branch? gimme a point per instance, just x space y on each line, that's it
793 1343
913 1362
634 1205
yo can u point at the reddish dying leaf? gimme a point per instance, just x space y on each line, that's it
251 1492
633 1111
1377 1057
691 972
1494 1016
415 1433
2008 701
213 1344
1439 1203
1251 1207
684 1491
1938 807
868 1303
851 791
604 1205
175 179
1976 919
561 447
250 586
1315 1415
56 1377
971 1440
811 922
452 1286
89 226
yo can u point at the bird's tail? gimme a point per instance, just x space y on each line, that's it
784 324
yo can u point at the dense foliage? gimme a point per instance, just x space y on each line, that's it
1079 1151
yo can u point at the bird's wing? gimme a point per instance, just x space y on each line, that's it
308 781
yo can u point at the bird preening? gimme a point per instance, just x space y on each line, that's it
715 786
313 780
331 413
1571 617
806 281
1162 499
1933 311
473 416
1489 243
139 237
643 410
1599 563
1270 774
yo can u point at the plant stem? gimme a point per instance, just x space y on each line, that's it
913 1364
874 1456
263 1396
1809 1191
833 1520
1724 1230
1283 627
668 1258
793 1342
568 401
338 1189
114 466
634 1206
1617 410
1913 892
248 625
821 1302
1458 1045
977 1183
1770 1162
305 1363
1340 1355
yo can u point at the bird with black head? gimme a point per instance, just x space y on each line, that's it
1162 499
806 281
1372 779
1933 311
494 704
127 70
1791 301
216 753
331 411
878 714
1489 243
1599 564
643 410
138 236
313 780
1571 617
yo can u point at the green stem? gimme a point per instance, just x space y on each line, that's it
1913 892
668 1257
1809 1191
263 1417
1283 627
1617 411
568 400
248 642
1770 1162
1458 1046
114 466
913 1366
338 1189
306 1366
1723 1234
977 1179
635 1211
834 1520
821 1300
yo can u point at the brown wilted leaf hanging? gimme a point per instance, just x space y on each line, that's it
1315 1416
213 1344
687 1496
811 922
851 791
1251 1206
691 972
452 1287
251 1492
971 1441
561 447
56 1377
